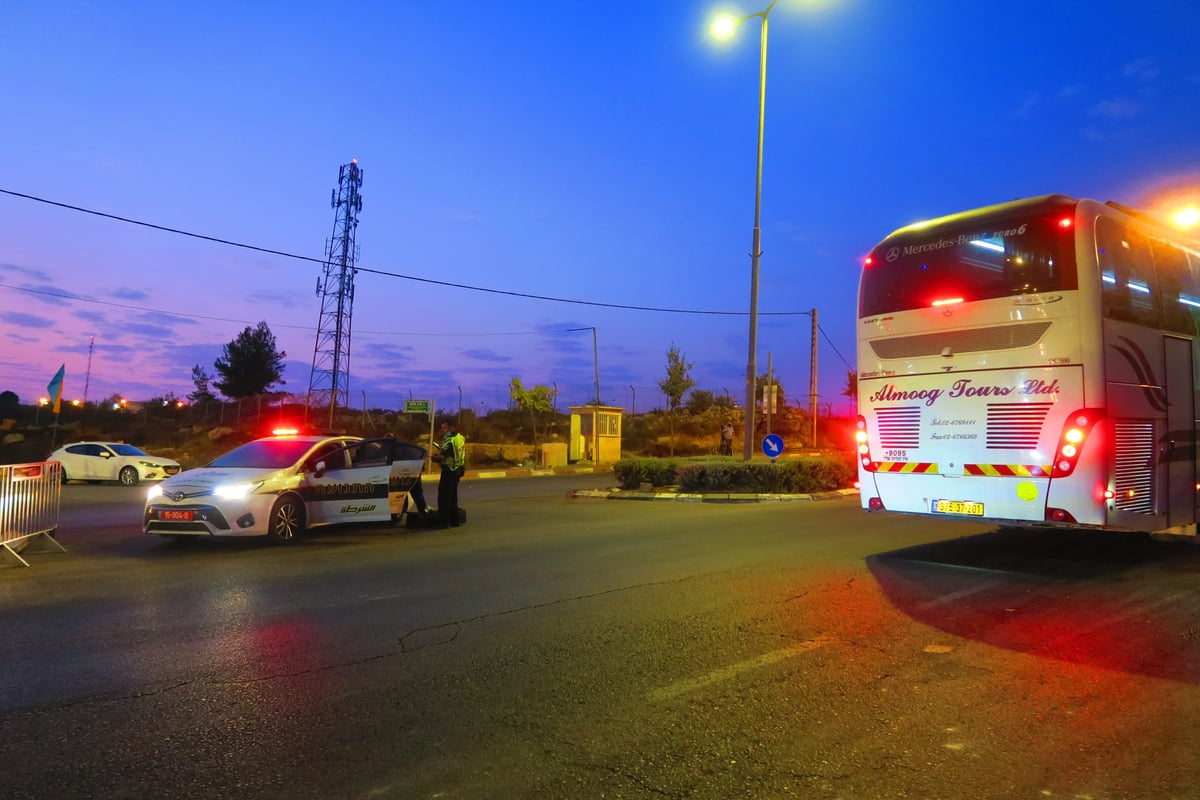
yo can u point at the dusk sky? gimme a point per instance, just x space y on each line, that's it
601 153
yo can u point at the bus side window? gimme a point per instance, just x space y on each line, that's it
1180 289
1130 287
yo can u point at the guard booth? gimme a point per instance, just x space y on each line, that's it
595 434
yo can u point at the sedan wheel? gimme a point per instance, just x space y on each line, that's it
287 521
129 476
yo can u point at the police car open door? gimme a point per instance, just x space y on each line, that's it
362 481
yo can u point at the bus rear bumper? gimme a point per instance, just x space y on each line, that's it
962 497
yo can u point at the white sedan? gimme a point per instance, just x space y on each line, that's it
282 485
111 461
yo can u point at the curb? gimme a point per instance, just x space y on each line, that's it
527 472
710 497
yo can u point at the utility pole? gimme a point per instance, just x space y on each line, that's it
812 380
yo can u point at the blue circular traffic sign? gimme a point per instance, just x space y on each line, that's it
772 445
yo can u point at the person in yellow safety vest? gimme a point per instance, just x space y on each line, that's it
453 459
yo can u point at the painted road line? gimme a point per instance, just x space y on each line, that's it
734 670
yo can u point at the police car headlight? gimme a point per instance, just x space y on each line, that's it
235 491
153 492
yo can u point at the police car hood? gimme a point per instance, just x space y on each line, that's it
207 478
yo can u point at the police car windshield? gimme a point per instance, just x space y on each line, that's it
265 454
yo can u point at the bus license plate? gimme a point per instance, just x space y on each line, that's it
175 516
958 507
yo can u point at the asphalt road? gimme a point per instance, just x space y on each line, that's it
557 648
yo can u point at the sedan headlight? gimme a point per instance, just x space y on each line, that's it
150 464
235 491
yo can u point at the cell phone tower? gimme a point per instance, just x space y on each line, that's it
329 382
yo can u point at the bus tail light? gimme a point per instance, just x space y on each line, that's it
1071 441
862 446
875 504
1059 515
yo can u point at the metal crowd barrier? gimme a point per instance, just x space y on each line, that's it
29 501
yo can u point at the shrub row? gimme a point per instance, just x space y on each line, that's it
803 475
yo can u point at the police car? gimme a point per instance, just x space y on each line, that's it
283 484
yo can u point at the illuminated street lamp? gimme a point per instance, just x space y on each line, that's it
724 27
37 415
1187 217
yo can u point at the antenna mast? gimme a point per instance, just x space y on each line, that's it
87 380
329 382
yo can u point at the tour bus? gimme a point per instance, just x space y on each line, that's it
1032 363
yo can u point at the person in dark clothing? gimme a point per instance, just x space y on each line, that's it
417 493
453 459
726 447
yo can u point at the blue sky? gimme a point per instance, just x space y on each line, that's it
601 153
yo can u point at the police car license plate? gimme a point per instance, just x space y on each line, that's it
168 515
958 507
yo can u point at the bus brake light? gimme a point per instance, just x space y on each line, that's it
1070 443
864 448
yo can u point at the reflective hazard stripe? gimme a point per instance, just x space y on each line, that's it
1007 470
906 466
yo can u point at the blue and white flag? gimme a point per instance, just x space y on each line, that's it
54 388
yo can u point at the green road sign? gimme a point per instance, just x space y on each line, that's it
416 406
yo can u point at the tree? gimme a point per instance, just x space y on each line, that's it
851 389
676 384
10 403
201 379
250 364
701 400
537 400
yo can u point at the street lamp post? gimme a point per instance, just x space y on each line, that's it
725 27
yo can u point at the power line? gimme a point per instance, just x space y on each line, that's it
389 274
385 273
79 299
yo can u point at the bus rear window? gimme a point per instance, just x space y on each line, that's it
974 259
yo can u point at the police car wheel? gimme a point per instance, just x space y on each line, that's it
287 521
